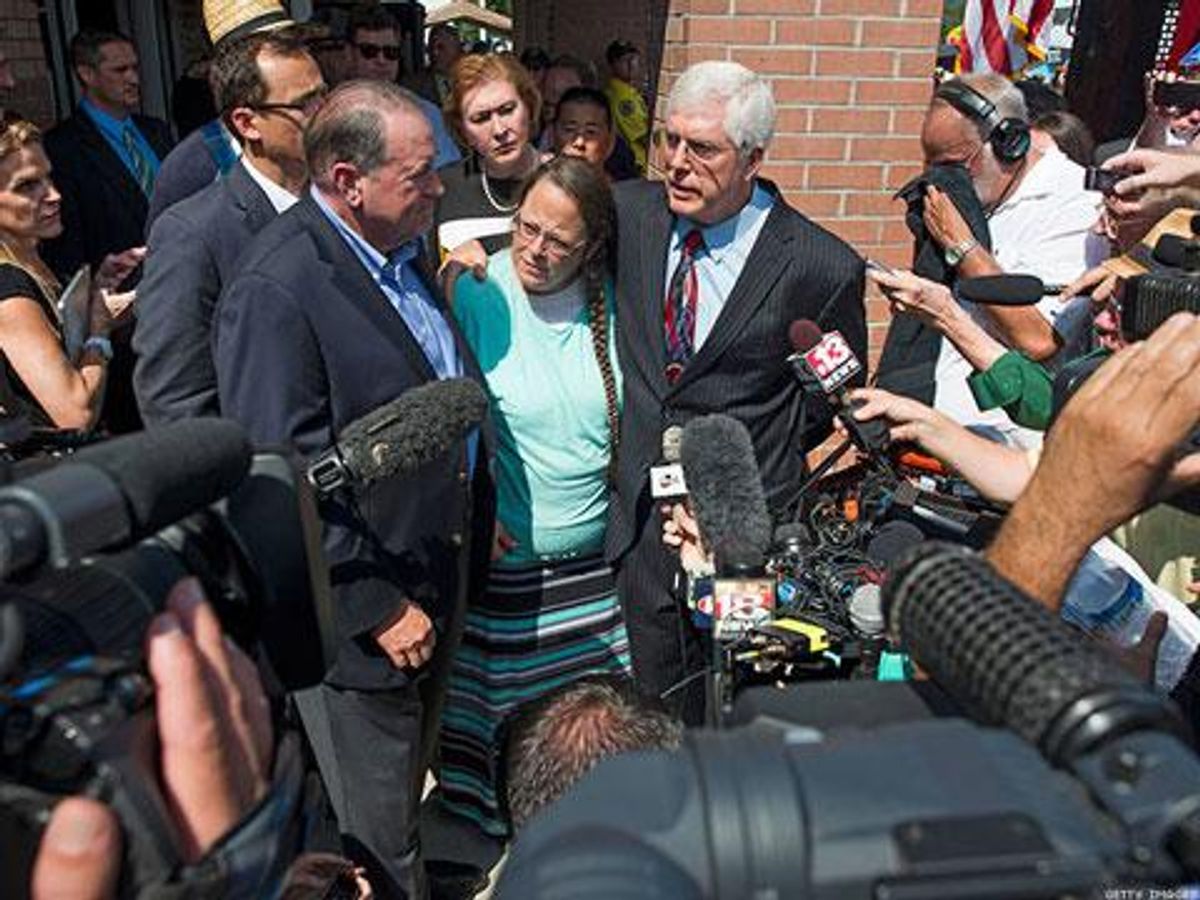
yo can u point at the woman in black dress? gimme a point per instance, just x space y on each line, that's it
38 380
491 109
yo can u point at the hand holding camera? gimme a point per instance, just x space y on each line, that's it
215 746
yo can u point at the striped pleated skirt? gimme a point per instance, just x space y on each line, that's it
535 629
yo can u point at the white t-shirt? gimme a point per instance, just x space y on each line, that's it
1045 229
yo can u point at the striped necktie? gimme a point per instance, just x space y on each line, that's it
679 308
141 166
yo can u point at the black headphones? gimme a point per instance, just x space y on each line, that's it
1009 137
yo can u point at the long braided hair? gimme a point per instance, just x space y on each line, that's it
588 187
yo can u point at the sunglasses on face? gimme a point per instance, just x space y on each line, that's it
391 52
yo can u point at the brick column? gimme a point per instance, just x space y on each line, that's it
21 40
852 79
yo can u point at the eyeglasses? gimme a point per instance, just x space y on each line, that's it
699 151
391 52
306 105
554 246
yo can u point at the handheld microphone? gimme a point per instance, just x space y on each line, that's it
1007 290
726 497
114 493
827 361
723 483
666 479
421 425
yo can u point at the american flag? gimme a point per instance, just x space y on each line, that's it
1002 35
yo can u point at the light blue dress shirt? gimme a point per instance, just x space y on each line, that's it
400 282
727 245
113 130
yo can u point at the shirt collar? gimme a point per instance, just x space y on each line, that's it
280 198
721 237
104 121
377 264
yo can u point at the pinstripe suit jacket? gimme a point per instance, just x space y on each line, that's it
796 270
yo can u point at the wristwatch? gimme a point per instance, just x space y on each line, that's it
101 346
956 253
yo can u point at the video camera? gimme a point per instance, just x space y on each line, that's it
1073 778
89 549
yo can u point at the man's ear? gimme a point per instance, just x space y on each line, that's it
86 75
754 163
241 121
347 181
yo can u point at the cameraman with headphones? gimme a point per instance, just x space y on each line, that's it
1039 216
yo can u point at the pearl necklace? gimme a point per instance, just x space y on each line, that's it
487 191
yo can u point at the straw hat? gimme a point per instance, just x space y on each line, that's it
227 19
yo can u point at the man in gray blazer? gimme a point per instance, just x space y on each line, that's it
713 266
267 86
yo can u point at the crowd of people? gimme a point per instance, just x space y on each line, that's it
344 231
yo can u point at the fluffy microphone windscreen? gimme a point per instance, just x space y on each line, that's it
421 425
803 335
1002 290
169 472
723 483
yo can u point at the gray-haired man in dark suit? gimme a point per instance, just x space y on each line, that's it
713 266
267 86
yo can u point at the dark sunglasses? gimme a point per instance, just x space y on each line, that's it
390 52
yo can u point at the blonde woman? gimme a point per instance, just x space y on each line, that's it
37 379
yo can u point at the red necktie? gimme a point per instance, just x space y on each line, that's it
679 307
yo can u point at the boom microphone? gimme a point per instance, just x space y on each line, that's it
111 494
1006 290
828 361
421 425
724 485
1011 661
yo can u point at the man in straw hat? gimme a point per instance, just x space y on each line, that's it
211 150
266 86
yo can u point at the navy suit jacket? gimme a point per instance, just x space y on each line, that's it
103 208
796 270
307 343
187 170
194 247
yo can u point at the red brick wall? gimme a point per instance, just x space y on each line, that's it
851 78
21 40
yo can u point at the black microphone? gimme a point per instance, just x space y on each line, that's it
1006 290
825 361
1009 660
421 425
117 492
724 487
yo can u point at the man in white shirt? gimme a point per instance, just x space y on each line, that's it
1039 216
267 86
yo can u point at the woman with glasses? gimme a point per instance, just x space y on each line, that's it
541 325
38 381
491 108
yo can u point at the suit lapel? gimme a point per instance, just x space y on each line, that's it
653 244
361 291
251 200
107 161
767 260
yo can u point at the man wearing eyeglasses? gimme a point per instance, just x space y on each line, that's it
267 86
375 39
713 266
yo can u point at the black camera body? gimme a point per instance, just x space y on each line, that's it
76 707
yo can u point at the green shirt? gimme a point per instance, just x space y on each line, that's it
1022 387
548 403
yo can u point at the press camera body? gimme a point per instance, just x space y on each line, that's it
76 704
